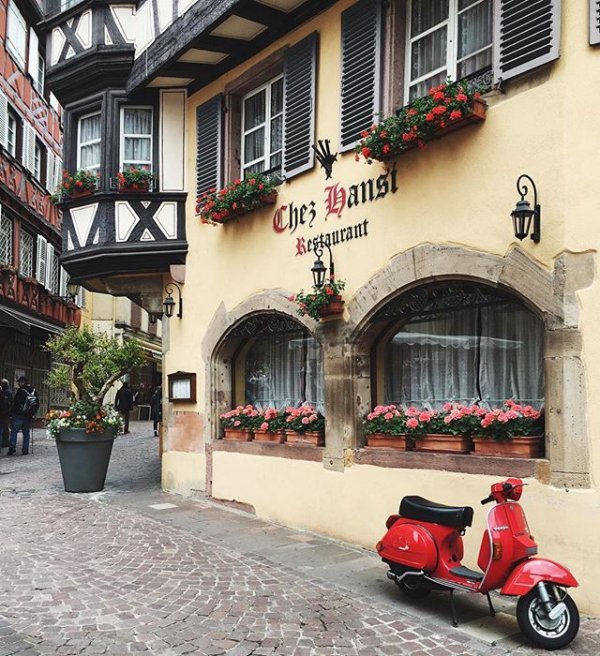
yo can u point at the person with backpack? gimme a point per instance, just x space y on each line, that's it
24 407
6 399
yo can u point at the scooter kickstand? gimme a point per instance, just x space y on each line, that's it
492 609
453 609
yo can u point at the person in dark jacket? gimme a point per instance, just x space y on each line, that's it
6 399
21 417
156 408
124 404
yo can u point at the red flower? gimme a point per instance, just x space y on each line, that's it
386 149
429 117
79 184
455 115
461 97
366 152
383 134
261 186
438 95
439 110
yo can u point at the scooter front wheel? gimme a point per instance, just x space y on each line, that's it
541 627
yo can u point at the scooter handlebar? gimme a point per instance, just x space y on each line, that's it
488 499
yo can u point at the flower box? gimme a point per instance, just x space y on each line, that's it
275 437
442 443
530 446
135 187
239 434
312 438
382 440
334 307
82 193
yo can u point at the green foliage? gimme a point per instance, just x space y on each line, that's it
79 181
134 176
241 196
96 361
311 302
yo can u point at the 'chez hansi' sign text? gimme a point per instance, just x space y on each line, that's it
337 198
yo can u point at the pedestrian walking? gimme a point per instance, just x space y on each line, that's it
25 405
124 404
6 399
156 408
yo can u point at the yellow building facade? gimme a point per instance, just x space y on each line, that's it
442 302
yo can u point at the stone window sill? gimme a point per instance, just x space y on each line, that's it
290 451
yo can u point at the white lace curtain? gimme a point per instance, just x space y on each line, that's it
482 354
137 137
89 142
285 369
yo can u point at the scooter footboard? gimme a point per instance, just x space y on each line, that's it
529 573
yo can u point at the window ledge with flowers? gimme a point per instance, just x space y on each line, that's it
75 185
292 426
136 179
321 302
513 430
446 108
240 197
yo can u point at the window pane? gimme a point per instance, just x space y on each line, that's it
285 369
428 53
89 157
276 133
275 161
427 13
277 97
254 110
421 88
6 231
137 121
26 253
137 149
89 128
254 145
258 167
474 29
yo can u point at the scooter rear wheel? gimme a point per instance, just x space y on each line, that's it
413 587
542 630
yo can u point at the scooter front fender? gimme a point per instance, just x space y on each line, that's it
529 573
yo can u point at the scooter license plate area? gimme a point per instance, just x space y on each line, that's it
410 545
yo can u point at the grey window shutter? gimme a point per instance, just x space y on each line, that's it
300 75
594 22
209 145
361 69
526 35
3 120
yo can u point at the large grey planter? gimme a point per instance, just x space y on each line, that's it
84 458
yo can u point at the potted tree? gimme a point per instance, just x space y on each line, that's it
86 431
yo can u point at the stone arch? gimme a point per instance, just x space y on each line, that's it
219 347
551 294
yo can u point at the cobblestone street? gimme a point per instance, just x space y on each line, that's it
132 570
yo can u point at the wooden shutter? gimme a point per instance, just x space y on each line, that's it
64 278
361 69
594 22
526 35
209 145
300 79
58 170
3 120
41 266
50 172
50 255
28 147
33 65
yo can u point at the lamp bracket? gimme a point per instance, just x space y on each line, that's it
169 289
325 157
523 190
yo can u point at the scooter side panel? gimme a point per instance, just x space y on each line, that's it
410 545
529 573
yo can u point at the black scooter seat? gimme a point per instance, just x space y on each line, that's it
428 511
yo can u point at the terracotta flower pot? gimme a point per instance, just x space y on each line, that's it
382 440
239 434
81 193
334 307
442 443
529 446
275 437
313 438
136 187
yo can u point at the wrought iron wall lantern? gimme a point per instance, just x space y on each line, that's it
325 157
523 214
319 270
72 292
169 302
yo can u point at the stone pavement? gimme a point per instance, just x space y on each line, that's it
132 569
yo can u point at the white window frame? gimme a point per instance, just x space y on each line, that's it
6 220
29 270
266 158
122 162
451 65
12 126
15 21
41 74
80 144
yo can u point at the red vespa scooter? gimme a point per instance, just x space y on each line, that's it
424 549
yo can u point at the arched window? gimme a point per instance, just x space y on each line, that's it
278 363
461 342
